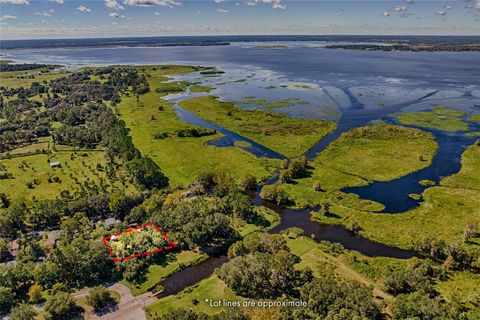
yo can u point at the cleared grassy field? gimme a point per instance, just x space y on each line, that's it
440 118
362 155
75 172
182 159
158 272
288 136
17 79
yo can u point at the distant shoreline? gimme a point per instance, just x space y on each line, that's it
404 43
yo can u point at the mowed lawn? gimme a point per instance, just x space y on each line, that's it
288 136
183 159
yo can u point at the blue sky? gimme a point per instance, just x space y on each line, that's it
118 18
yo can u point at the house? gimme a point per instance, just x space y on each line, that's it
55 164
110 222
13 247
52 239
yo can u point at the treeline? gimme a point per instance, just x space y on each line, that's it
25 66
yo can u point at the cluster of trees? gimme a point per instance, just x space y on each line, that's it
328 299
78 260
261 266
76 101
452 254
295 169
416 297
275 193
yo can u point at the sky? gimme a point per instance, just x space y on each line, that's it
42 19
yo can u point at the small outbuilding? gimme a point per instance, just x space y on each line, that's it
52 239
110 222
55 164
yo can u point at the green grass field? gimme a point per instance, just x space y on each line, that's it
76 170
440 118
372 153
288 136
194 297
156 273
17 79
183 159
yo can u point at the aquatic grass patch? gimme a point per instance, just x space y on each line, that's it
475 117
199 88
288 136
469 175
440 118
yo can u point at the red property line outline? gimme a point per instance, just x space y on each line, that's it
146 253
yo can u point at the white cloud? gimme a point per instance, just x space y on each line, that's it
82 8
237 3
409 1
7 17
222 10
112 4
114 15
219 1
276 4
158 13
386 13
45 13
441 12
448 7
400 8
477 5
58 1
22 2
149 3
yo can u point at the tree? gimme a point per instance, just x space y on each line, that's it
328 299
99 297
261 275
470 231
6 299
248 182
35 293
147 173
23 312
61 306
417 305
275 194
4 252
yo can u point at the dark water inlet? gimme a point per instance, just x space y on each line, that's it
395 194
229 138
190 276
